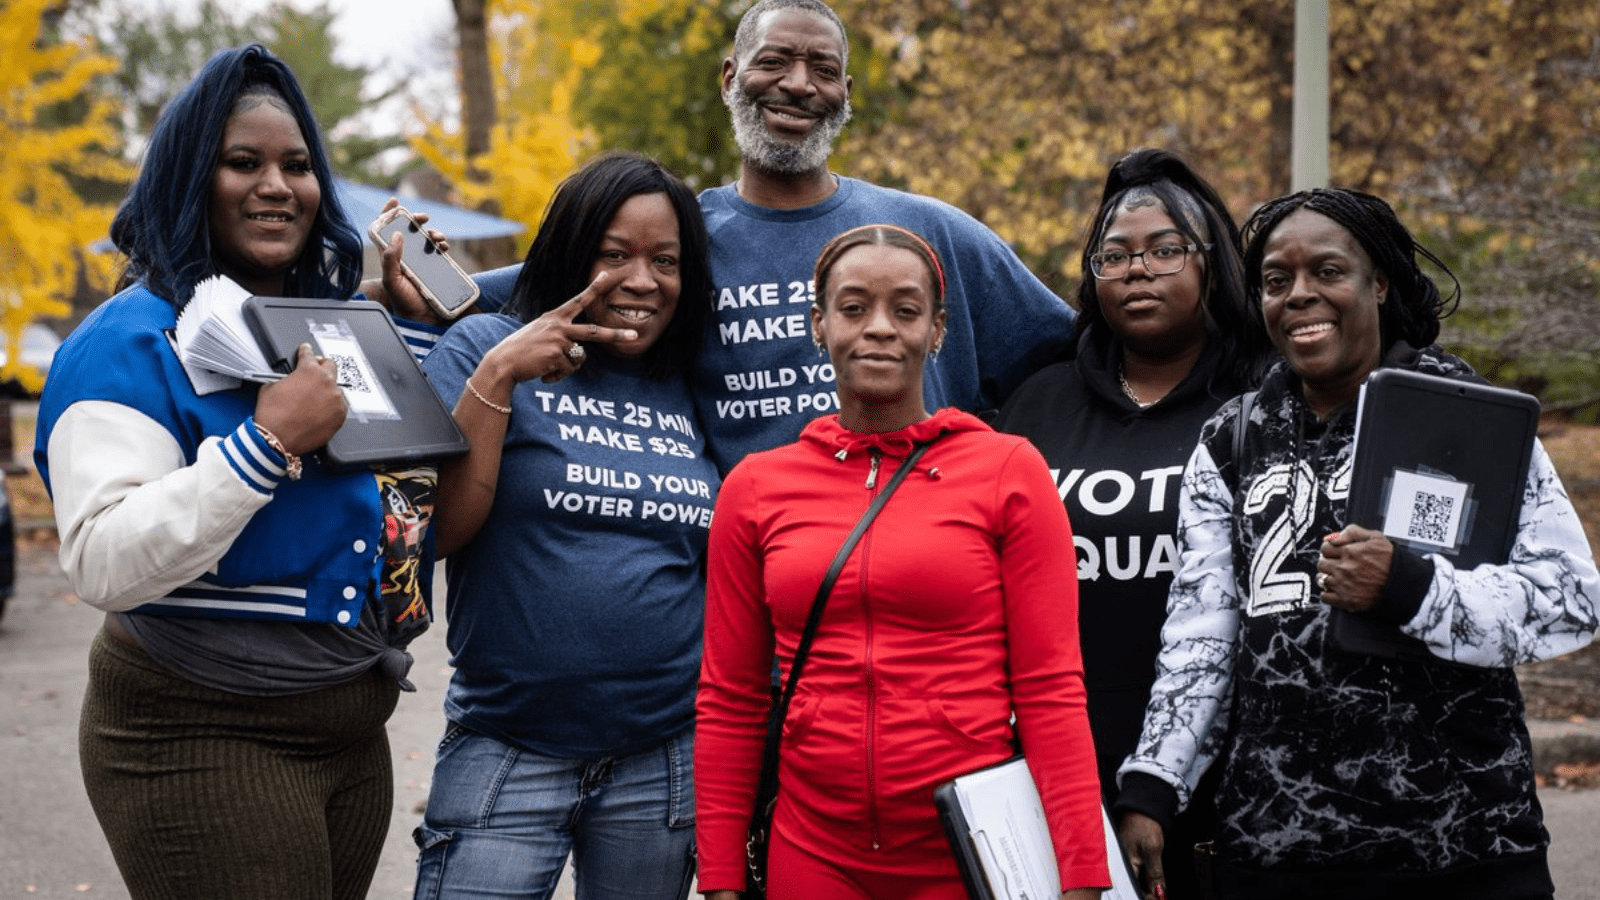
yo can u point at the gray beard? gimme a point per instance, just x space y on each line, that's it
759 149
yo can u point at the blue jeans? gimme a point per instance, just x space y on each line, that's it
501 822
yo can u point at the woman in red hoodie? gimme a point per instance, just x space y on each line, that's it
949 638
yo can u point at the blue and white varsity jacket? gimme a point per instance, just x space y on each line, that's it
171 502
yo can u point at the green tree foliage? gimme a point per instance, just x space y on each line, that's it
337 92
654 88
51 137
567 79
1476 119
1528 252
576 77
161 50
538 52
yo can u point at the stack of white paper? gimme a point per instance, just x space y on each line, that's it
1003 818
212 336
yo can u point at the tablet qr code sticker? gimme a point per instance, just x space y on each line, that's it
1430 517
350 376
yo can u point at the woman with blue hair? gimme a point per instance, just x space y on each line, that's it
257 605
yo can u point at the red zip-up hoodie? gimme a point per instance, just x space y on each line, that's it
958 608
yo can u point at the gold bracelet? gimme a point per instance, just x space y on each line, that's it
291 463
502 410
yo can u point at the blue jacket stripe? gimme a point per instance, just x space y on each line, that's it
420 338
252 458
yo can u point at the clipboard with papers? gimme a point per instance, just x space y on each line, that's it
996 826
1439 466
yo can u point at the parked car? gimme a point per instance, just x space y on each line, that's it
36 349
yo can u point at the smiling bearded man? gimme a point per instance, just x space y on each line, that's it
759 379
760 149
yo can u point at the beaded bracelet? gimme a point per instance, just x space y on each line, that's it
502 410
291 462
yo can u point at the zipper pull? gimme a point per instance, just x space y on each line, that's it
872 473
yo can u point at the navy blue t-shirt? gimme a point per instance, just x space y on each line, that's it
575 613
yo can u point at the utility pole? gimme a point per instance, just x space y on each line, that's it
1309 145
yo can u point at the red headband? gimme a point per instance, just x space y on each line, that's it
938 268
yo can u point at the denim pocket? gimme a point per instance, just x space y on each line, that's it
680 780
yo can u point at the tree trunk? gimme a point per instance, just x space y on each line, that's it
477 84
1280 116
478 114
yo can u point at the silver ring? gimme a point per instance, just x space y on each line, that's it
575 353
1322 581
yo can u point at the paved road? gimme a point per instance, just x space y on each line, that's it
50 846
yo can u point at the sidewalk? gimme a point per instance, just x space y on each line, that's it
1558 743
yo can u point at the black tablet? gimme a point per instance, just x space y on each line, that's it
395 417
1439 466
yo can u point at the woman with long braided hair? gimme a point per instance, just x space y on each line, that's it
1345 774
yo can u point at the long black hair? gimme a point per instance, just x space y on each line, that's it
568 242
1233 313
1418 306
162 225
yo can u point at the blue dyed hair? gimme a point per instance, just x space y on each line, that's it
568 242
162 226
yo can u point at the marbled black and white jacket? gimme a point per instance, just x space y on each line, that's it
1335 761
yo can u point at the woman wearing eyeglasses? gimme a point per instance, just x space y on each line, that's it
1166 335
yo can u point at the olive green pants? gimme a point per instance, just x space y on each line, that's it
205 794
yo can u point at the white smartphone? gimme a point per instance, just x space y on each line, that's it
442 282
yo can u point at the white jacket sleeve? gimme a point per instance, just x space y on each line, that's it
1187 715
136 521
1540 604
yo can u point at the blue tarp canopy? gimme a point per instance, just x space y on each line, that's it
363 203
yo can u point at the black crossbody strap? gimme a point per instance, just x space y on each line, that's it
769 756
1247 402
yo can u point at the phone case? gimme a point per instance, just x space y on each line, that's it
443 283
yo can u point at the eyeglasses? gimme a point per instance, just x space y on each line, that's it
1162 259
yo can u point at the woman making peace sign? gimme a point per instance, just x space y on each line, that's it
576 527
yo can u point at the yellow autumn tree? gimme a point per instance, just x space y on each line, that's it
1013 109
44 146
576 77
1478 120
538 52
